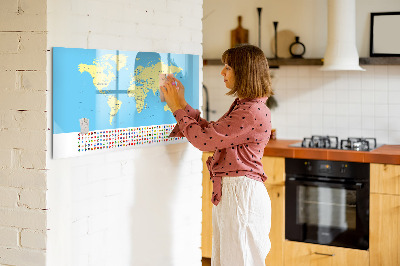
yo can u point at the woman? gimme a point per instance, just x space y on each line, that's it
242 211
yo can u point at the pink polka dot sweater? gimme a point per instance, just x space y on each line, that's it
238 139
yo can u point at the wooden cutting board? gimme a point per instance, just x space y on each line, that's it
239 35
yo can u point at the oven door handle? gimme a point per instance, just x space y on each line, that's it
357 185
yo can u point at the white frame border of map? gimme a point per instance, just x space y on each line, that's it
74 144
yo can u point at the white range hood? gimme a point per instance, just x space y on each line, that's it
341 51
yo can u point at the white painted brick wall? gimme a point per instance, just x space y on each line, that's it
9 237
8 197
23 218
23 139
23 16
23 125
23 178
5 159
134 207
31 80
23 100
32 198
22 256
35 120
34 239
9 42
24 61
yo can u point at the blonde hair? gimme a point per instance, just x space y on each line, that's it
250 66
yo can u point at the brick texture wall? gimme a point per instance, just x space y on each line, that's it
135 207
23 88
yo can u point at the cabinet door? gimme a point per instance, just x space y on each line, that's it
277 233
274 168
384 230
304 254
385 178
206 226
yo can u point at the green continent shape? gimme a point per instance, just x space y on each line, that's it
146 79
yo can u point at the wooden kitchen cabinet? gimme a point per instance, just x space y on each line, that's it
385 215
274 168
385 178
305 254
384 236
206 225
277 233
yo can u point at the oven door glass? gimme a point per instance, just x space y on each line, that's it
327 214
324 207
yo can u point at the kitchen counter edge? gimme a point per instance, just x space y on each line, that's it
385 154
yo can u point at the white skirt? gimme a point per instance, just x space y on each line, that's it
241 223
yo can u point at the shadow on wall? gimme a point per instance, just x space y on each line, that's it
153 222
157 205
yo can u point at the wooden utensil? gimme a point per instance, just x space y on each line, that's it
239 35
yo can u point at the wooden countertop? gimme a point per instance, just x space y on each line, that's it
389 154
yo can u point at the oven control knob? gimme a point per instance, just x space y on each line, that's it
343 168
308 166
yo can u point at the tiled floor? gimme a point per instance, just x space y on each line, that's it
206 261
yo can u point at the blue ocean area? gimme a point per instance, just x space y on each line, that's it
75 95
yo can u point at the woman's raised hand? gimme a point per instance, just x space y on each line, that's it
181 92
174 93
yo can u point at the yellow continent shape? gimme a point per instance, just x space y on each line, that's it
120 60
103 73
145 79
166 108
101 79
115 105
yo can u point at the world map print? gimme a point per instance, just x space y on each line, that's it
97 90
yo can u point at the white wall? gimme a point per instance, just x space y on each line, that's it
134 207
311 102
23 133
343 104
304 18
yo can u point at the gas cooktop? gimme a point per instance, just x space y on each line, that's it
332 142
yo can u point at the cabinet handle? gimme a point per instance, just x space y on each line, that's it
324 254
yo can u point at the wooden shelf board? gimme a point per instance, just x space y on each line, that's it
380 61
275 62
295 61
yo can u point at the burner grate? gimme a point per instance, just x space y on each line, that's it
332 142
327 142
358 144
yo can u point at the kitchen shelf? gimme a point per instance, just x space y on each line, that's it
274 63
380 61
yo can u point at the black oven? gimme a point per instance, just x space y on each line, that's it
327 202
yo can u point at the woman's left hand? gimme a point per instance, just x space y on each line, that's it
170 91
